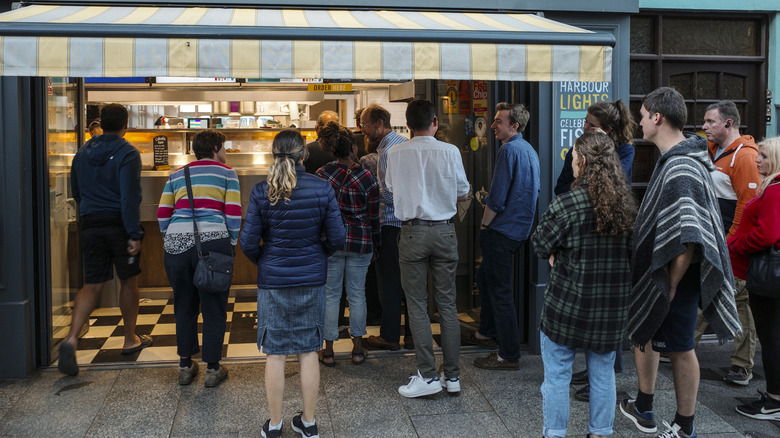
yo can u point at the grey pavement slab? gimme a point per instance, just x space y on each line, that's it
56 406
13 390
354 401
483 424
138 404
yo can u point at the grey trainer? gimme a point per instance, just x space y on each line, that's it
215 377
738 376
187 374
644 421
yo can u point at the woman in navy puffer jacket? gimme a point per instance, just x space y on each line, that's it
293 223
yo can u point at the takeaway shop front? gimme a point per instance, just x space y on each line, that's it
251 69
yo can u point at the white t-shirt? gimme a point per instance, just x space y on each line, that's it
426 177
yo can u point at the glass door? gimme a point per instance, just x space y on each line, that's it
61 146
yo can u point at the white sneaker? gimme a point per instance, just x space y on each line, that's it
452 385
419 386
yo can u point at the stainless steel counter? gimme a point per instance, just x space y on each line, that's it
153 183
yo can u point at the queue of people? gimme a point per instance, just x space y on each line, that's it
647 273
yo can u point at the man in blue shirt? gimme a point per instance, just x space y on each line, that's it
375 124
506 224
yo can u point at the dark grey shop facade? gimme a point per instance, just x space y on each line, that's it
25 153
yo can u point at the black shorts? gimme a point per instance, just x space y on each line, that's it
102 248
677 330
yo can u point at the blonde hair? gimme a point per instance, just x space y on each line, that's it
772 146
288 148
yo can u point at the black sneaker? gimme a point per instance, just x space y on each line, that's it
580 378
309 432
764 408
583 394
268 433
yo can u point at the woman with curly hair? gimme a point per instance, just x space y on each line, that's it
291 226
613 119
586 236
357 193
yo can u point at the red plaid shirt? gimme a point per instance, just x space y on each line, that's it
357 192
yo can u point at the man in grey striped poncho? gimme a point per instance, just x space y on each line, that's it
680 259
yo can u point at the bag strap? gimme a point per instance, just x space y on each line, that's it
344 180
192 209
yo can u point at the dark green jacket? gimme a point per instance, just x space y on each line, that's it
587 296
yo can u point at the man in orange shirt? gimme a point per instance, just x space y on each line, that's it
735 181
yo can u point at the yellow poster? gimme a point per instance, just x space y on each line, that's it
451 100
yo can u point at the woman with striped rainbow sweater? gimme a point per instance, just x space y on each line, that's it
217 208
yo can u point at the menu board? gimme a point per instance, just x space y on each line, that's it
160 146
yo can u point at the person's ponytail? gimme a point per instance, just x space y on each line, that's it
288 149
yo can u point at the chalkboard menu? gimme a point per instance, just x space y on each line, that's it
160 145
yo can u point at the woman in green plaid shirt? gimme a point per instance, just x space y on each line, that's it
586 236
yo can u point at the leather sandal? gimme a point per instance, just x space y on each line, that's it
359 357
327 359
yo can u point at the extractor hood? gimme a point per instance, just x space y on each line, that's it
195 95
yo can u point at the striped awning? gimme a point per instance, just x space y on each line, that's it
114 41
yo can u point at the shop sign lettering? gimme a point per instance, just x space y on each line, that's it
570 105
330 88
480 98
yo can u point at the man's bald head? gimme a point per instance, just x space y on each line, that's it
324 118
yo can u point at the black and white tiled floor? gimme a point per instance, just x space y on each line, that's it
102 343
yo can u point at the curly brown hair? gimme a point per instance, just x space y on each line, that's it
336 139
599 166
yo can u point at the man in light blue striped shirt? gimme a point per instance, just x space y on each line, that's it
375 122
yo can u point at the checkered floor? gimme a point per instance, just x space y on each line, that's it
102 343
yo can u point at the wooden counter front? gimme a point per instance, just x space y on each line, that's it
153 267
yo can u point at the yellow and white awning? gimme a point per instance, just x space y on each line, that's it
114 41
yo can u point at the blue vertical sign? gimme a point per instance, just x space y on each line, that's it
570 105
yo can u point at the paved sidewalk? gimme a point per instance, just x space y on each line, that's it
355 401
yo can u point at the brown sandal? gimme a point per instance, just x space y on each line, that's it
359 357
326 355
327 359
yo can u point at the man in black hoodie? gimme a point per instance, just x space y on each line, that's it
106 184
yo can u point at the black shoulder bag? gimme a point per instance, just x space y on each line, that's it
763 275
215 270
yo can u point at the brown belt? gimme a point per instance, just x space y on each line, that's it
424 222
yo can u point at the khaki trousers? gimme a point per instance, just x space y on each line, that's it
745 344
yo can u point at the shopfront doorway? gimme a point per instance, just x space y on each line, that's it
275 45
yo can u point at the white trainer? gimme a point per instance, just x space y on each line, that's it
452 385
419 386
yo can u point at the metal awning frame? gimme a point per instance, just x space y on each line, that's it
311 33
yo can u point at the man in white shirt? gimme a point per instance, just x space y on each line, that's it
427 179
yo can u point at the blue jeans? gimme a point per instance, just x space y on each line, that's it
348 269
558 360
498 317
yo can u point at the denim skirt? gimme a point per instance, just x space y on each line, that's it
290 320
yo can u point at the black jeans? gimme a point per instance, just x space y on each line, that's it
391 292
188 302
498 316
766 314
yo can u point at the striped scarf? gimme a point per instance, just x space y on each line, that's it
680 207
